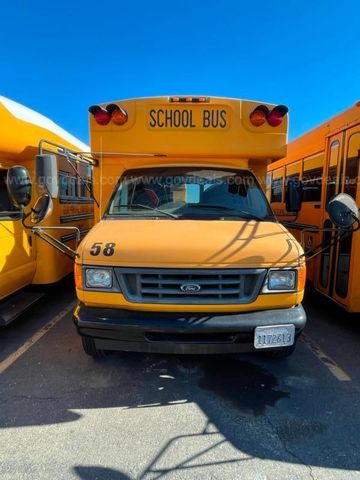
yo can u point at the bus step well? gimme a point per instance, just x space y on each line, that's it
16 305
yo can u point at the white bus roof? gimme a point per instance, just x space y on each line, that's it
27 115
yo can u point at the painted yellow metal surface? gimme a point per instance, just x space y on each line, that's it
167 243
237 138
25 259
330 148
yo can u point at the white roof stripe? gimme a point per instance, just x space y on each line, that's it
27 115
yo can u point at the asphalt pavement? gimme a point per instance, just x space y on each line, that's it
64 415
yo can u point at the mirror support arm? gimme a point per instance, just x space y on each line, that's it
54 242
340 234
50 239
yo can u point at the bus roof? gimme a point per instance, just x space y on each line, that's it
313 141
176 126
23 128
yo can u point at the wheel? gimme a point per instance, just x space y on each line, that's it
282 352
90 348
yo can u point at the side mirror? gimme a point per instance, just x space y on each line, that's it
19 187
343 211
46 173
42 209
293 196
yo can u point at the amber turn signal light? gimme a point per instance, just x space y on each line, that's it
118 115
78 277
301 278
258 115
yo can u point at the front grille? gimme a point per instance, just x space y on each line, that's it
195 287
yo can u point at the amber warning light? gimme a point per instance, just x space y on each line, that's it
262 114
189 99
112 113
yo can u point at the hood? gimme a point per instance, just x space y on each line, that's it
168 243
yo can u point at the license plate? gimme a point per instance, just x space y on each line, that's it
274 336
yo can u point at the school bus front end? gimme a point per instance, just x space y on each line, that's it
187 256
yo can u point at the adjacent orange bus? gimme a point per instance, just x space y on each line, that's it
326 160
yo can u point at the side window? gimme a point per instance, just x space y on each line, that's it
352 165
84 187
5 202
85 183
292 173
73 189
68 185
331 181
64 185
276 189
268 180
312 177
312 181
268 186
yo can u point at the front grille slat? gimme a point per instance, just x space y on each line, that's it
173 291
214 286
210 281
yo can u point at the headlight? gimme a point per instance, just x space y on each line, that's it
98 277
281 280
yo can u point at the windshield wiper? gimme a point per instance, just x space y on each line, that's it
223 207
147 207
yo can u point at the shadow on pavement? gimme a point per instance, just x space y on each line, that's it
99 473
289 411
264 408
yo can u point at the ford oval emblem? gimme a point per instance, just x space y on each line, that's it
190 288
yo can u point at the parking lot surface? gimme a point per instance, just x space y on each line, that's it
64 415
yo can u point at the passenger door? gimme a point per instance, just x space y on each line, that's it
17 252
332 188
344 265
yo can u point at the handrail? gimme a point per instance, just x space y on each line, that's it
72 155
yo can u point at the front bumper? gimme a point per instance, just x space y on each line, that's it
191 333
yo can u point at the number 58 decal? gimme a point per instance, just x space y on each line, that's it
107 250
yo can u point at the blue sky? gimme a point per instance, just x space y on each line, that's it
60 57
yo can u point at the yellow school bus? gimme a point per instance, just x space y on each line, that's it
26 259
326 160
186 255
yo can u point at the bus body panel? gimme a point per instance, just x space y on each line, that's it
209 244
24 258
17 258
235 138
331 151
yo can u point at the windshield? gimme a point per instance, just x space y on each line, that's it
189 192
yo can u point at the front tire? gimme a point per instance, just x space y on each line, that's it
90 348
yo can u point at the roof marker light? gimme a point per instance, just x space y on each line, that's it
275 117
118 115
258 116
188 99
102 116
